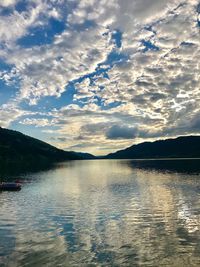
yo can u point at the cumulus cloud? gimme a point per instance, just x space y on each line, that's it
142 83
9 113
6 3
37 122
46 70
121 132
18 25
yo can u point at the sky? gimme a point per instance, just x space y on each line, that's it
97 76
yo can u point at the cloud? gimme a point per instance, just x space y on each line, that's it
38 122
47 70
121 132
9 113
98 89
195 123
6 3
19 23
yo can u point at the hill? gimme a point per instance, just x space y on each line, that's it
17 148
85 155
181 147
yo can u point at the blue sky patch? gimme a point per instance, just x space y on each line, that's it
149 46
6 92
40 36
117 37
118 48
112 105
21 6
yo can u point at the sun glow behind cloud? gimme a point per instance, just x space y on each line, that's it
97 76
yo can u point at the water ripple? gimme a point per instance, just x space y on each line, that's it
102 213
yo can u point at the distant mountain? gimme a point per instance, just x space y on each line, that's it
181 147
17 148
85 155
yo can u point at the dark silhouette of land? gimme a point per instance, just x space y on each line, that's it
21 150
181 147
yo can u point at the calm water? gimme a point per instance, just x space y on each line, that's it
103 213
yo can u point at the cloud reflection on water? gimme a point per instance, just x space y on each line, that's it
107 213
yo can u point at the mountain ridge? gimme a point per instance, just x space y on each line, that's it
180 147
18 148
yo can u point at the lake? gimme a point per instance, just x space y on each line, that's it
104 213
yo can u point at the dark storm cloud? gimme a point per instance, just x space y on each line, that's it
95 128
121 132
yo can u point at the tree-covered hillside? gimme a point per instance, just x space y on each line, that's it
16 147
181 147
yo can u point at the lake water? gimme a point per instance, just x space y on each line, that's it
103 213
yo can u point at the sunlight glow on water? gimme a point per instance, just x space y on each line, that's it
102 213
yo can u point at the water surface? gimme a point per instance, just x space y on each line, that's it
103 213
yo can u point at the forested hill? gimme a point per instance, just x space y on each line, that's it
181 147
16 147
